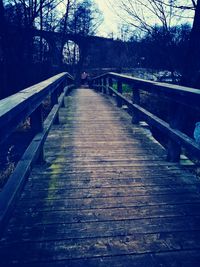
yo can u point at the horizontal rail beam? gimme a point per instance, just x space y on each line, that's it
179 93
16 108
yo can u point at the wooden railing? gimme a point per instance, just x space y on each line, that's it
180 98
16 109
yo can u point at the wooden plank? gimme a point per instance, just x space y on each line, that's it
187 258
130 245
46 230
50 204
102 214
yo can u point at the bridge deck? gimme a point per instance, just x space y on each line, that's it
106 197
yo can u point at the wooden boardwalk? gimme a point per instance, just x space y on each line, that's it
105 197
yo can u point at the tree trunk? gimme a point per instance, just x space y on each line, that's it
191 76
41 28
3 67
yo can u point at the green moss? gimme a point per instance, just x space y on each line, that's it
125 88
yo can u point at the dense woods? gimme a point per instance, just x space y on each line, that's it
159 35
164 28
26 58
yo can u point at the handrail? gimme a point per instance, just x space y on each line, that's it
130 79
16 108
178 92
179 97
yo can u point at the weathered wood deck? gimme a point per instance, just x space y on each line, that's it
106 197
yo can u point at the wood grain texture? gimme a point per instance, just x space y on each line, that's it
105 197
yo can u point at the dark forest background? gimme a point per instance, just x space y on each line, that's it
26 58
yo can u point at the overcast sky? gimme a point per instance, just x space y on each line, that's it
110 24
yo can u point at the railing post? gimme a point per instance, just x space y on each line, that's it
176 122
63 103
36 122
110 84
54 98
119 89
135 100
92 84
65 84
60 88
54 101
98 85
104 85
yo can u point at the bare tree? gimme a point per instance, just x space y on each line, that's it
147 15
144 14
191 70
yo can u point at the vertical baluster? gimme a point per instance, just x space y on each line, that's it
110 83
97 86
63 102
64 85
104 85
54 101
36 122
177 114
60 88
135 100
119 89
92 84
54 98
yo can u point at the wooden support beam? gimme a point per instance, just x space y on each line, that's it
98 84
36 120
54 101
105 85
102 85
119 89
135 100
61 87
110 83
54 98
63 103
176 122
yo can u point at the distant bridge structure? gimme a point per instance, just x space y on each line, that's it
89 46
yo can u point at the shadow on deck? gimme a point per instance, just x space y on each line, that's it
105 197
